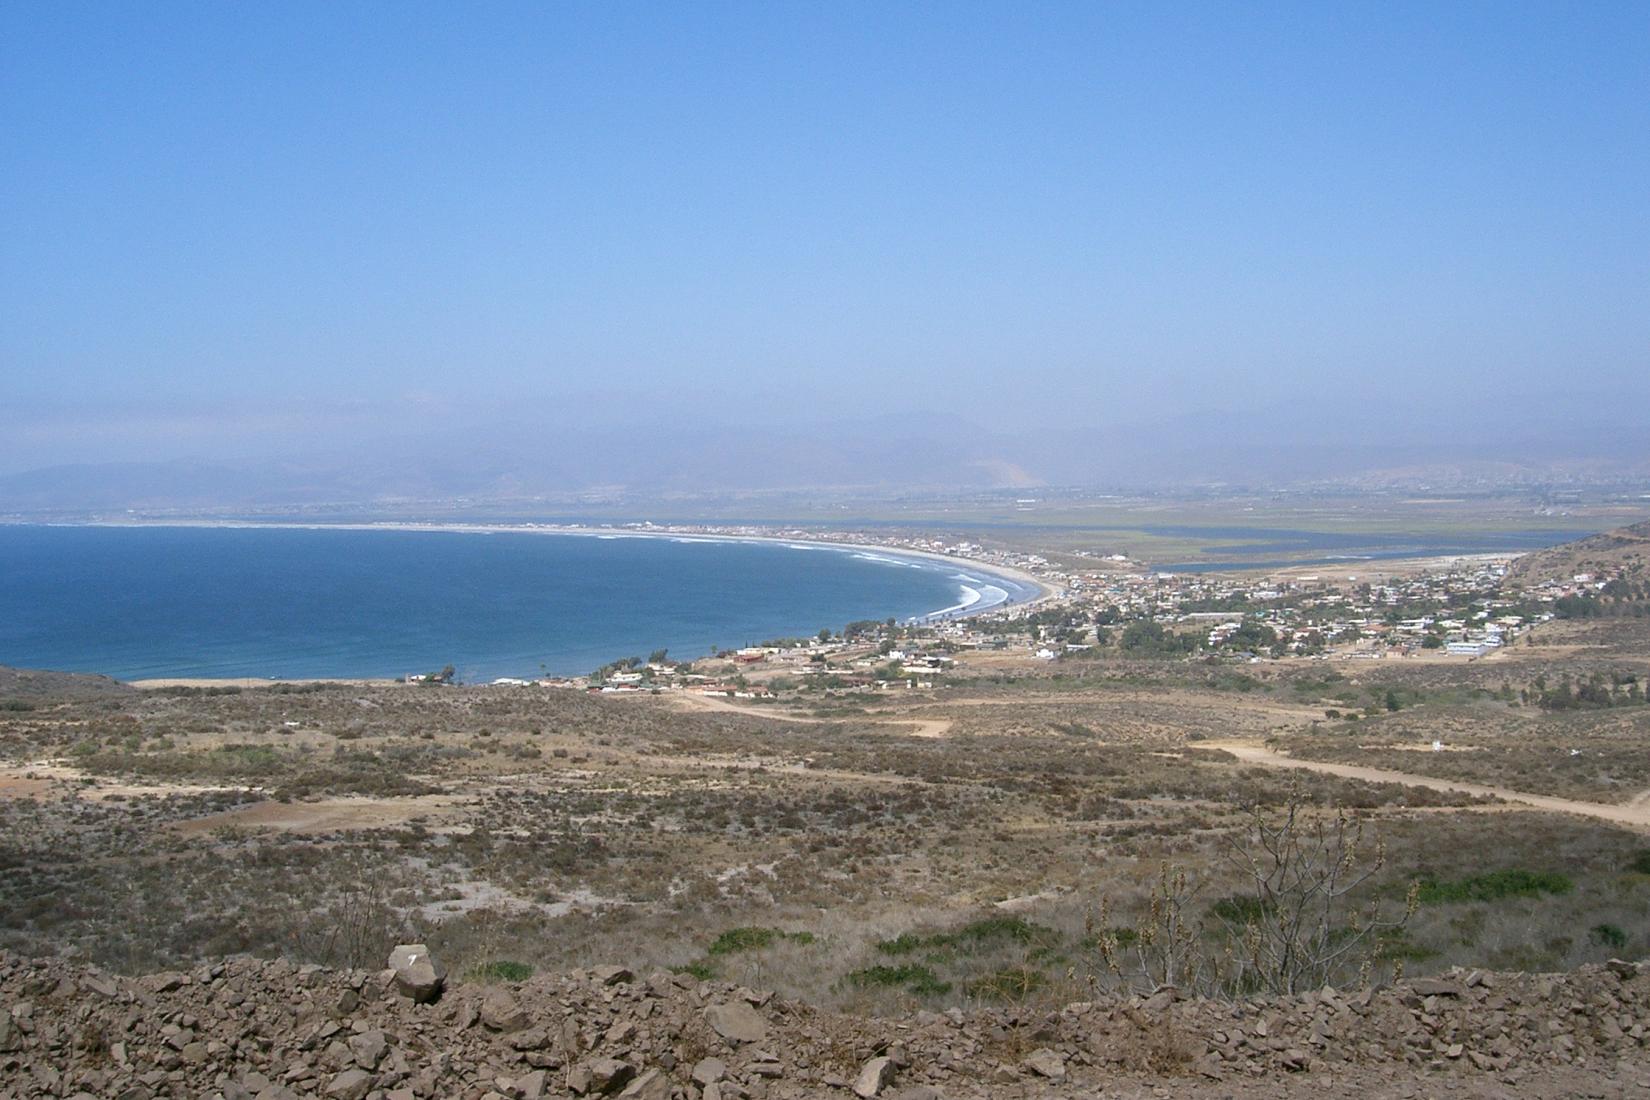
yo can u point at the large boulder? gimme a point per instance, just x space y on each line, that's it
369 1048
502 1012
352 1084
598 1076
873 1077
737 1022
651 1085
1046 1063
417 973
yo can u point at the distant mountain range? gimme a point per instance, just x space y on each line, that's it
671 459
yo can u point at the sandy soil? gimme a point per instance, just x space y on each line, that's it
328 815
17 786
920 727
1635 813
247 682
26 780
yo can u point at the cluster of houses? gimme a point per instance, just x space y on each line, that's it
833 666
1457 610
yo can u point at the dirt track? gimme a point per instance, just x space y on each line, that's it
923 727
1635 813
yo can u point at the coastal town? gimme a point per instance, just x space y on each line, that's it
1091 606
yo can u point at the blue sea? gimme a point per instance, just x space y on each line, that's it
149 602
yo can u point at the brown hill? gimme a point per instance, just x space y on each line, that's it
38 685
1624 550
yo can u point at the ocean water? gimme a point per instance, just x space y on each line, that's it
138 602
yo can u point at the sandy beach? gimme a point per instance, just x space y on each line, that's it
250 682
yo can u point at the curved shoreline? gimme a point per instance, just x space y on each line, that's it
977 587
1042 589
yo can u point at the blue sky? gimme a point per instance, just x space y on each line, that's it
228 226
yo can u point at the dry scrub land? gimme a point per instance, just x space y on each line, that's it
841 859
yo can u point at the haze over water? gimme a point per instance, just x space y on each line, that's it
142 602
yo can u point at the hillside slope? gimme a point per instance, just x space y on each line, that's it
39 685
1623 550
248 1028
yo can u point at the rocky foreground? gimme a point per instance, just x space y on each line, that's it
247 1028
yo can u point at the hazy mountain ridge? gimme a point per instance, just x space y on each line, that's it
526 458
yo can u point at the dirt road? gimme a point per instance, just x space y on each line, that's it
920 727
1635 813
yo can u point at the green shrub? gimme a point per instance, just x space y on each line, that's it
986 932
1003 928
1396 945
701 970
912 978
1495 886
1011 983
502 971
1608 935
1640 863
735 940
904 944
1122 935
1239 909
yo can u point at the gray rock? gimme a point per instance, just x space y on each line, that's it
369 1048
352 1084
709 1070
502 1012
1437 987
599 1075
737 1022
1046 1063
875 1076
417 973
611 975
651 1085
534 1039
101 984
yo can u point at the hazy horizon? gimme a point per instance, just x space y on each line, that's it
301 251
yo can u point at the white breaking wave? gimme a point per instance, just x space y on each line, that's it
880 560
992 595
969 597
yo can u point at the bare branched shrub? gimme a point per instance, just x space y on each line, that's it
1167 949
1309 914
355 927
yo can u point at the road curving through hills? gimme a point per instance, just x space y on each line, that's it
1635 813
